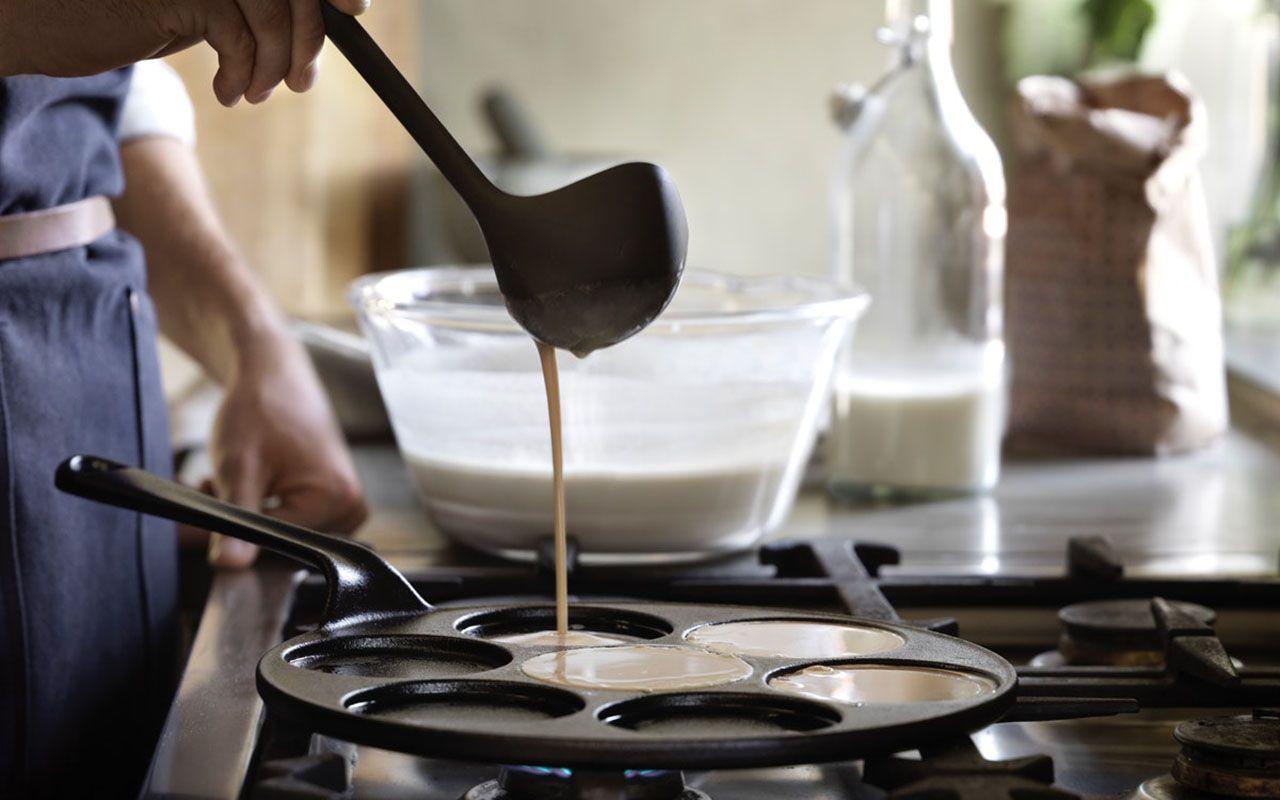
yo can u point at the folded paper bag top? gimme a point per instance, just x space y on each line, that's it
1134 128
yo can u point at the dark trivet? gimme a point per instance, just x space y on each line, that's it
1231 756
1190 645
550 783
852 569
956 770
1093 558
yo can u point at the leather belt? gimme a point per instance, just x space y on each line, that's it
61 228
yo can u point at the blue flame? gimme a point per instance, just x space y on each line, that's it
558 772
566 773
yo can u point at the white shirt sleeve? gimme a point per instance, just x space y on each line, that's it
157 104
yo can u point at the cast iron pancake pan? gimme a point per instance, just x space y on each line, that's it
483 707
388 670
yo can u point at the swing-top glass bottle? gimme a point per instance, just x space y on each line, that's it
919 223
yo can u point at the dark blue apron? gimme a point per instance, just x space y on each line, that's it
87 593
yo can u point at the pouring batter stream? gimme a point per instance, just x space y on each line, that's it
551 379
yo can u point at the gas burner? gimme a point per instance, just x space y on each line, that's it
553 783
1231 756
1227 758
1114 633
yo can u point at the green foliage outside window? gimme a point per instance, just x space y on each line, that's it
1116 29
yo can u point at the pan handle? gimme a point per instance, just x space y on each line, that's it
362 587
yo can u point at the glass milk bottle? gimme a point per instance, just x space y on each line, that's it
919 223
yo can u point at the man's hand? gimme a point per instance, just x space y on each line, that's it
276 447
259 42
275 444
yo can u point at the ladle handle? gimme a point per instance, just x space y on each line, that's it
408 106
362 587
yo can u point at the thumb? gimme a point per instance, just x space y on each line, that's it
238 483
349 6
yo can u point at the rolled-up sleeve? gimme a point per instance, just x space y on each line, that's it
157 105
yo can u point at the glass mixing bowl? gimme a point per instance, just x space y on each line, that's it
687 439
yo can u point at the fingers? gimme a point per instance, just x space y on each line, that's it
308 38
338 507
340 511
350 6
263 42
271 23
229 35
335 505
324 510
356 514
237 480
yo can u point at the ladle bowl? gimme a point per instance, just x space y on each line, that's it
580 268
589 265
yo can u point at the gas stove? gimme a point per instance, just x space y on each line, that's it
1134 695
1148 657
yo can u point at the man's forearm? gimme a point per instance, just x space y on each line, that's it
259 43
10 39
76 37
208 302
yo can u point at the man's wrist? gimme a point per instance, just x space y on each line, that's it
259 334
239 330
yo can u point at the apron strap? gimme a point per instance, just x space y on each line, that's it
52 229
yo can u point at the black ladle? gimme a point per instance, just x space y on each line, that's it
582 267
